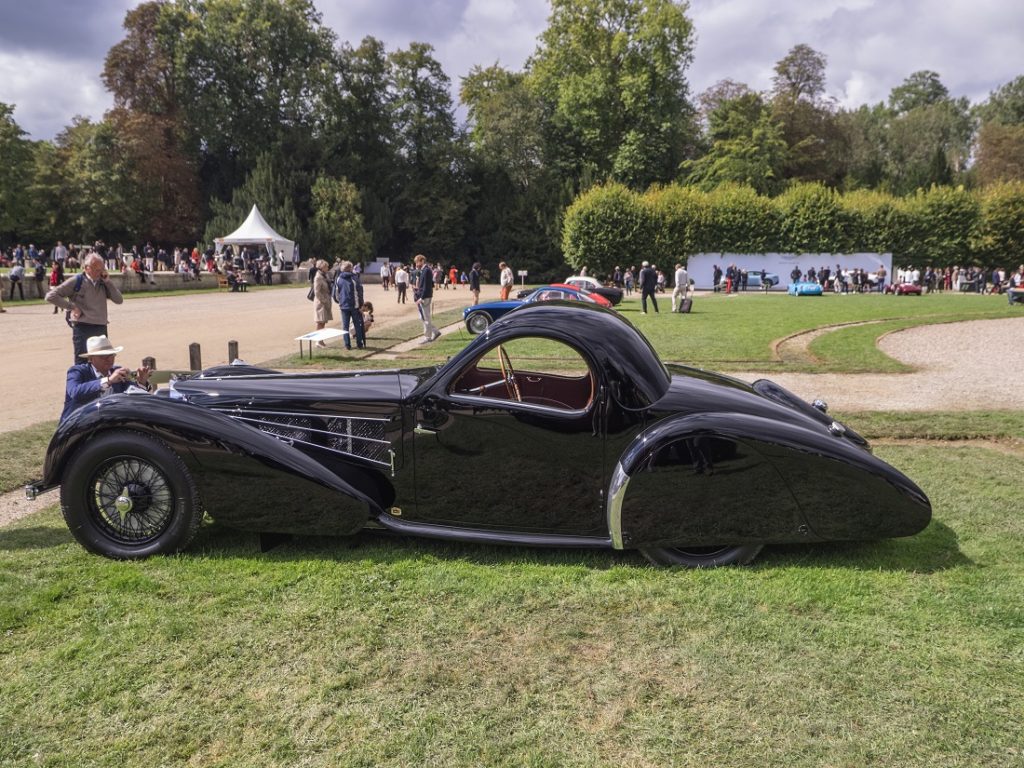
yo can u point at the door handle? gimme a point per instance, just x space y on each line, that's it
419 429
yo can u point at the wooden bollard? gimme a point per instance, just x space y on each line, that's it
195 359
232 351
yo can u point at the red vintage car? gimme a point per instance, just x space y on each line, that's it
904 289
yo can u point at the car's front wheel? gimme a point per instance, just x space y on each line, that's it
477 322
701 557
127 495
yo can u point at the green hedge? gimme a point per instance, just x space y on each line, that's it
941 226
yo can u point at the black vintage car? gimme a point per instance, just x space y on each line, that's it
558 426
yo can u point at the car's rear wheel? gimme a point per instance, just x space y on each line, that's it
701 557
127 495
477 322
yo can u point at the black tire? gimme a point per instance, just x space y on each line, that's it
477 322
156 509
701 557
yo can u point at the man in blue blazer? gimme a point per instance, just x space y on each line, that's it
99 376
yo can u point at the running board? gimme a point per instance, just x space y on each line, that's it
475 535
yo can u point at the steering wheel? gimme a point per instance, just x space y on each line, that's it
509 375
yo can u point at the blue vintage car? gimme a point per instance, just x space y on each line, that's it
804 288
480 316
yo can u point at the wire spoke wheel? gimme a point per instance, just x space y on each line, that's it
131 500
127 495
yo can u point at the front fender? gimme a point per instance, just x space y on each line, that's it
247 478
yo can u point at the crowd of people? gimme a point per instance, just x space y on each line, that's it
32 262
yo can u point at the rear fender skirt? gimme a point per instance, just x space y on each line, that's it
735 478
263 473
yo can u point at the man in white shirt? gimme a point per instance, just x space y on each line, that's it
682 285
507 280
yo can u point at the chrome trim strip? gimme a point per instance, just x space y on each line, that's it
345 435
616 494
306 415
290 440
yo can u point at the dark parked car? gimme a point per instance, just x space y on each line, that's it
558 427
593 285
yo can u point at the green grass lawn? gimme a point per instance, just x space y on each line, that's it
386 651
379 651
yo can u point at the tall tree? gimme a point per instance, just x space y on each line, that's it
269 188
748 147
921 89
807 117
358 133
338 221
800 75
505 122
999 153
611 74
928 135
431 203
15 173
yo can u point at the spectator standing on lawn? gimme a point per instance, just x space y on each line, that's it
474 282
385 275
60 253
348 290
401 283
86 296
322 313
648 286
425 298
507 280
681 286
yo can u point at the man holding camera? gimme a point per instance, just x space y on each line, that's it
85 298
99 376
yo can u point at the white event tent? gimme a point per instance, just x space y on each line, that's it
256 231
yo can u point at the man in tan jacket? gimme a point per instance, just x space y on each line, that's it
85 296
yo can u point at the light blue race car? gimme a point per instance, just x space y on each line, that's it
805 289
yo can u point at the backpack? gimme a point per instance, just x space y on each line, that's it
78 289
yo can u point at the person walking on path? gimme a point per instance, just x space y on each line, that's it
474 282
349 292
648 286
424 296
682 285
322 313
85 296
401 283
507 280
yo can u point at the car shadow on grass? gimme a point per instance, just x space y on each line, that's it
34 537
933 550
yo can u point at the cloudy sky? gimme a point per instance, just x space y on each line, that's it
52 51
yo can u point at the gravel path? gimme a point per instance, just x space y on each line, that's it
37 343
964 366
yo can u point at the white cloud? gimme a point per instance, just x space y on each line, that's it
47 91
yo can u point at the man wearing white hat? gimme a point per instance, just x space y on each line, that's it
98 376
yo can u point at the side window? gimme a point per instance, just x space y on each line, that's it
529 370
